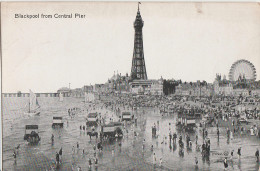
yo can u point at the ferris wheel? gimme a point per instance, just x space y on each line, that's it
242 68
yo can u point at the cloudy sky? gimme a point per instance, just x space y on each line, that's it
188 41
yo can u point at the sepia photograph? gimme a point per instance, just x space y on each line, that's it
126 86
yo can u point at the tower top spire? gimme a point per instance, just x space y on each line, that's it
138 20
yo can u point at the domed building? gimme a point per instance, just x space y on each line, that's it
118 83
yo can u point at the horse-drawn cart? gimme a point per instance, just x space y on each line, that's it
32 134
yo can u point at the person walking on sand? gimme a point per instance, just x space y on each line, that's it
257 155
239 152
60 153
52 138
113 153
73 150
161 162
218 133
174 137
196 161
154 158
96 162
57 159
14 154
89 163
232 153
225 163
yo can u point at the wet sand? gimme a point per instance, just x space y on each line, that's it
130 156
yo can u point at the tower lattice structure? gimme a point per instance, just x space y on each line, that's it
138 70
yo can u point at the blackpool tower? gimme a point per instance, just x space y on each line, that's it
138 71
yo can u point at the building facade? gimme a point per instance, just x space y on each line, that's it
222 86
241 92
77 92
194 89
223 89
66 92
152 87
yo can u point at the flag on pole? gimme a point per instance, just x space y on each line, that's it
138 5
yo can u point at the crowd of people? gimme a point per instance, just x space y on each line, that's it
222 113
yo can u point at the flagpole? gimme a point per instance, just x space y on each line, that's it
138 5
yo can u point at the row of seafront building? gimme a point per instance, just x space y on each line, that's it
123 84
116 84
220 87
